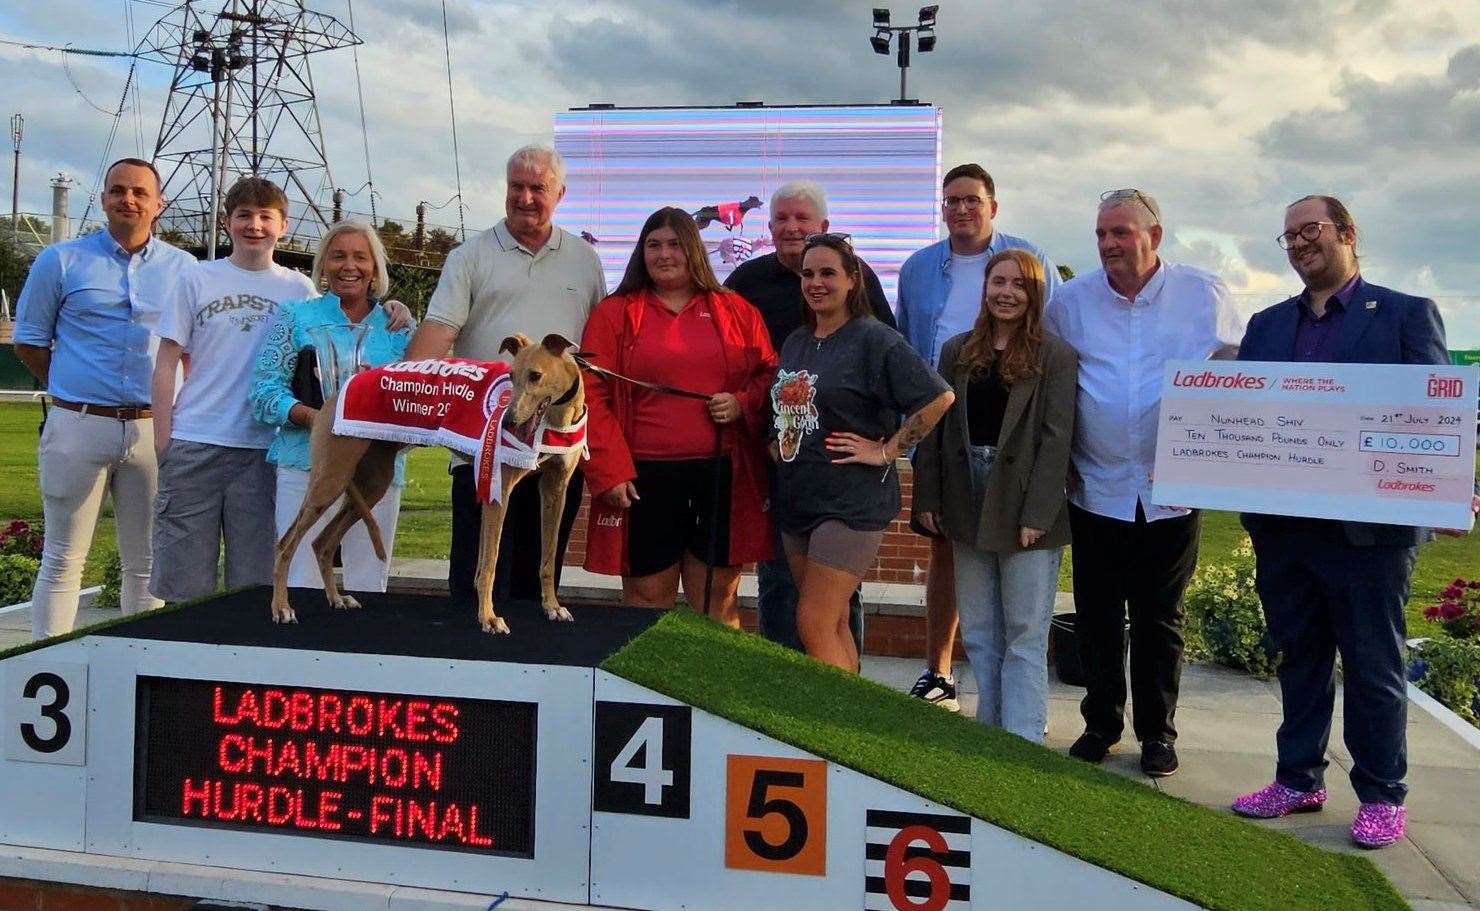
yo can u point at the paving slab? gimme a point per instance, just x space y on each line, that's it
1206 686
1411 871
1454 849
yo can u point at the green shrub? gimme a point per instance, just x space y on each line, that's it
112 582
1452 671
1225 620
17 577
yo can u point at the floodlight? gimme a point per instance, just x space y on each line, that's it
881 42
927 16
881 17
927 41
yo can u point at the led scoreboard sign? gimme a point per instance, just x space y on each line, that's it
441 772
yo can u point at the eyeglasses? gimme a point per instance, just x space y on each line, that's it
812 240
969 203
1308 232
1138 196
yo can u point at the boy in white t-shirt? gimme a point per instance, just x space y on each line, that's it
215 485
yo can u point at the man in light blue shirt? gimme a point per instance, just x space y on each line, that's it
940 295
84 324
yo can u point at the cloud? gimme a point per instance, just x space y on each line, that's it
1224 109
1376 120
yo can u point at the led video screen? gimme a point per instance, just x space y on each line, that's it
880 166
425 771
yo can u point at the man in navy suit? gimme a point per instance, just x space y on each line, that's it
1330 586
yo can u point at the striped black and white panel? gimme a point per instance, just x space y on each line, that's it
950 887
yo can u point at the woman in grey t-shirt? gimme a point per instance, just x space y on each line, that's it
851 396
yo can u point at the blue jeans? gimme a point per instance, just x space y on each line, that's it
1005 601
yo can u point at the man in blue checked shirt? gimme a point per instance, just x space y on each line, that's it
84 325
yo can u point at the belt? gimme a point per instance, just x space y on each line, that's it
117 412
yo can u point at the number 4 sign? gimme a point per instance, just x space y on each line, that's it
776 814
45 715
642 759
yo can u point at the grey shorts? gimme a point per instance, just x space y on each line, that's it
835 545
208 495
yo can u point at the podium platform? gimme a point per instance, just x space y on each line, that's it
631 759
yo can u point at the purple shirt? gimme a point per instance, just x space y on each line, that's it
1315 336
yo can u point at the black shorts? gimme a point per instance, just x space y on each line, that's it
673 514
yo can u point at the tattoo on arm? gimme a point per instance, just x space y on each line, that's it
914 430
918 425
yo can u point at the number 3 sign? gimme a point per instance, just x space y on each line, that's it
45 714
776 814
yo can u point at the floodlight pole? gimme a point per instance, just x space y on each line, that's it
903 59
884 32
17 126
214 225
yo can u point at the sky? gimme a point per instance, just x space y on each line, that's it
1224 110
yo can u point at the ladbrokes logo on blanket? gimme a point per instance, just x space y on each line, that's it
467 371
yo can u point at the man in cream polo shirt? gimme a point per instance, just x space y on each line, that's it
522 275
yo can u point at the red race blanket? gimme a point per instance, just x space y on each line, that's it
455 403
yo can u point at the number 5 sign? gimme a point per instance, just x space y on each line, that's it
45 713
776 814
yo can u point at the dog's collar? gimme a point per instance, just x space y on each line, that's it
569 393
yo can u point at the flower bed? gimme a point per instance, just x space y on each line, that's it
20 560
1447 666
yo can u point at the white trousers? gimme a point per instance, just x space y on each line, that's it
362 571
81 458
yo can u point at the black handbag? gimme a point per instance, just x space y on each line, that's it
306 386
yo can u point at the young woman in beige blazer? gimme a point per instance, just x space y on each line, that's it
991 479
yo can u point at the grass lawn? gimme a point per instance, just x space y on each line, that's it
425 517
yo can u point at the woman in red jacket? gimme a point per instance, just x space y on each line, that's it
652 470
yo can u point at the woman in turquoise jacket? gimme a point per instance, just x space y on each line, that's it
351 267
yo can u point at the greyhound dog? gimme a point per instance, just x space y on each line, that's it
546 384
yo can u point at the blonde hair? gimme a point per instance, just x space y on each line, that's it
380 283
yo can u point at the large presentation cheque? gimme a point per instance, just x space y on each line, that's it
1390 443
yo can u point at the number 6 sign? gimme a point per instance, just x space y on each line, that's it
776 814
45 714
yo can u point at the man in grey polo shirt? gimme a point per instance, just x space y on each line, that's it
522 275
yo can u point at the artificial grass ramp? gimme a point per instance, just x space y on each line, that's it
1212 859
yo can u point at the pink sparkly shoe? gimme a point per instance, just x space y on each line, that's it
1379 824
1276 800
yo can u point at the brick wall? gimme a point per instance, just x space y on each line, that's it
30 895
903 557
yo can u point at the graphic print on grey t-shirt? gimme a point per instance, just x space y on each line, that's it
793 401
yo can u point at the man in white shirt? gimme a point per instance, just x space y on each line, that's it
1127 320
940 295
527 275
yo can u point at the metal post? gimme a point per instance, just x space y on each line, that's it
904 61
215 172
17 125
